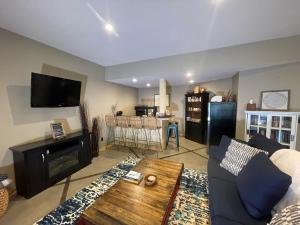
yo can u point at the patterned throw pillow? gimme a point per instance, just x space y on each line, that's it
237 156
288 216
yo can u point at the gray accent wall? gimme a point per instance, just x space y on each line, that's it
19 56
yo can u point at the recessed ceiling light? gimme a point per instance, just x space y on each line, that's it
148 85
109 27
189 74
191 81
134 80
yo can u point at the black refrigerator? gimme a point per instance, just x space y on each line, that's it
221 120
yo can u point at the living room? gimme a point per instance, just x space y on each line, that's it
149 75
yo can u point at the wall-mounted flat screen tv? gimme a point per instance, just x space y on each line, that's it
48 91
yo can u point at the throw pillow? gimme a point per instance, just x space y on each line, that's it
264 143
261 185
237 156
289 216
288 161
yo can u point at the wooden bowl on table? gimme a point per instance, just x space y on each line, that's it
150 180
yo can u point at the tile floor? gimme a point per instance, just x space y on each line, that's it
27 211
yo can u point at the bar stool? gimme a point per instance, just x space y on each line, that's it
152 128
136 124
173 127
111 124
122 125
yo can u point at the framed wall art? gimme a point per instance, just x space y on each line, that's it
275 100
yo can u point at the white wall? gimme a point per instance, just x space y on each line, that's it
252 82
177 96
19 57
266 64
246 85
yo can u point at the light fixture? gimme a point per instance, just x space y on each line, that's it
217 2
191 81
109 27
134 80
189 74
148 85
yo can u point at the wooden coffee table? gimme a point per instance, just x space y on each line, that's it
127 203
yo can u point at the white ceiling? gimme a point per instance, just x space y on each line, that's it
148 28
207 65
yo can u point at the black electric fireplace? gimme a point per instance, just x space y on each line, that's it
62 158
41 164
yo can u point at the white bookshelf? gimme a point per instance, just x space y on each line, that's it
277 125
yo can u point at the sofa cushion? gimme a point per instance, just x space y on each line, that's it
220 151
237 156
264 143
215 153
215 171
224 202
225 221
218 220
261 185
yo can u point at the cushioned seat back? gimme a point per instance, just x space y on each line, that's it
264 143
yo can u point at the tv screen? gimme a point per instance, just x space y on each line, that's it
48 91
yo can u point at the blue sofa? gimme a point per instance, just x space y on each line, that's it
226 207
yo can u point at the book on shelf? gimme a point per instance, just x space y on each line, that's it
133 177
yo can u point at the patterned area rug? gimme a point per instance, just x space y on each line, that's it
190 206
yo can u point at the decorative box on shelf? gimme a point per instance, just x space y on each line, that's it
280 126
251 107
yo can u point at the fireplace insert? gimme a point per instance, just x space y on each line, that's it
62 157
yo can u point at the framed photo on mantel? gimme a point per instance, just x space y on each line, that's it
57 130
275 100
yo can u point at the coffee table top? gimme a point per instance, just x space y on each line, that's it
127 203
